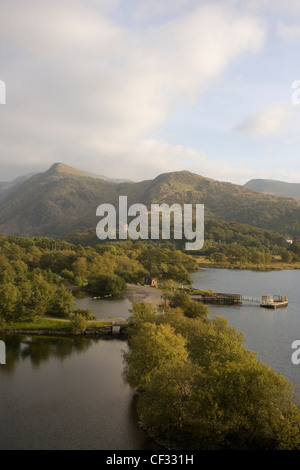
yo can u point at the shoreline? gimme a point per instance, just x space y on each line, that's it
143 293
285 267
89 332
115 328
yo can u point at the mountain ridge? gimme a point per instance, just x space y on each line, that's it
63 199
275 188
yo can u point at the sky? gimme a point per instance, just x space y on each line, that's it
135 88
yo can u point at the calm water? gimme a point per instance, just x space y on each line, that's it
270 333
68 393
106 308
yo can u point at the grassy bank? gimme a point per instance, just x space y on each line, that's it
52 324
204 262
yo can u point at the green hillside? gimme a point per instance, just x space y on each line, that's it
275 188
61 200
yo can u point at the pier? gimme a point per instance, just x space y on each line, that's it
266 301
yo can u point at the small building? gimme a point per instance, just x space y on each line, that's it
150 281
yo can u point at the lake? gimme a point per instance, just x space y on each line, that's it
106 308
69 393
268 332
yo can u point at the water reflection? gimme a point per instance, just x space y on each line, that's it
67 393
40 349
112 307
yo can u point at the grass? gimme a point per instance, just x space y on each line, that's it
42 323
98 324
273 265
201 291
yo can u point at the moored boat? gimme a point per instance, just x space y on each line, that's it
274 301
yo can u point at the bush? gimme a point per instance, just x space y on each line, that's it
191 308
62 304
85 312
107 284
3 324
78 324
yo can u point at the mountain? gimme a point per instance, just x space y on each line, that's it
106 178
6 186
68 170
63 199
60 168
275 188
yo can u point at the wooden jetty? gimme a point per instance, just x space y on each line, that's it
218 298
266 301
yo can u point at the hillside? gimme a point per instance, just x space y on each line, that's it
62 199
275 188
6 186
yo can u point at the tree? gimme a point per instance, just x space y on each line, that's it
3 324
84 312
287 256
219 257
151 348
191 308
8 299
107 284
79 268
41 295
165 405
169 288
62 303
78 324
201 388
241 405
196 309
181 300
141 313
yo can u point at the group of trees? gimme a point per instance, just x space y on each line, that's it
238 244
36 273
26 293
226 243
200 388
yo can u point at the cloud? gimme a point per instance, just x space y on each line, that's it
269 122
85 89
289 175
288 32
158 156
156 11
277 7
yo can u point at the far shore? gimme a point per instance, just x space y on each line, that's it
273 266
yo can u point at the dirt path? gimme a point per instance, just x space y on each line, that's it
147 294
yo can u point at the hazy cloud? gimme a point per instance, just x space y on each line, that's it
288 32
271 121
84 89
